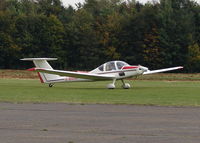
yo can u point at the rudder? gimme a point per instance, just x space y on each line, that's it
42 63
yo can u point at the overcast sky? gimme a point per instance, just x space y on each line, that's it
72 2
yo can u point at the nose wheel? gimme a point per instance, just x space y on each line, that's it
125 85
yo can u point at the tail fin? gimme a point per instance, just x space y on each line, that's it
42 63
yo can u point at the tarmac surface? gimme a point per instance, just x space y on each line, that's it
65 123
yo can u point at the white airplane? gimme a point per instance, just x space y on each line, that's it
113 70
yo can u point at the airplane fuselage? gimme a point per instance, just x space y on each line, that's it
113 70
132 71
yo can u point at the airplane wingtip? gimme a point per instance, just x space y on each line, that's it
181 67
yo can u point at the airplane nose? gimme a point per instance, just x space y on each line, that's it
144 69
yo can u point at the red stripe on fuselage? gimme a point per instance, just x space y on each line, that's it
130 67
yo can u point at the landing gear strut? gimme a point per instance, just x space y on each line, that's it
111 85
51 84
125 85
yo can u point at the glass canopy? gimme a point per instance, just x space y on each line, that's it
112 65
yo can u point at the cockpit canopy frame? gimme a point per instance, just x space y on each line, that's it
112 66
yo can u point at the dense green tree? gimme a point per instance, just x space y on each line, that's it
50 7
193 58
152 34
81 41
9 51
177 30
39 36
2 5
152 52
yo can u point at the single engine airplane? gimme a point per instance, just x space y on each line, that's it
112 70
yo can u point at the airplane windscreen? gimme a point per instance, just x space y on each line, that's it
110 66
121 64
100 68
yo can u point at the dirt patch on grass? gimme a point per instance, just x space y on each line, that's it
22 74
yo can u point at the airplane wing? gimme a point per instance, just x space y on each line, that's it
162 70
75 74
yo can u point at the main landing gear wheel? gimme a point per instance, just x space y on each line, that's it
111 85
125 85
51 84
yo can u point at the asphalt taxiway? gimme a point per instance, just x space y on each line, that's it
65 123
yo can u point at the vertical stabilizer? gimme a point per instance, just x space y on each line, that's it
42 63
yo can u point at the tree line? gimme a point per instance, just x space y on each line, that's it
157 34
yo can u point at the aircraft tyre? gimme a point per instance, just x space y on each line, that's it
111 86
126 86
51 84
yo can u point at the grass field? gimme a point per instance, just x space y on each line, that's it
143 92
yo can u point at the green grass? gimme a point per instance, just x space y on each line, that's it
162 93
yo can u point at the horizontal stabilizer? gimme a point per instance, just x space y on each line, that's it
42 63
38 59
